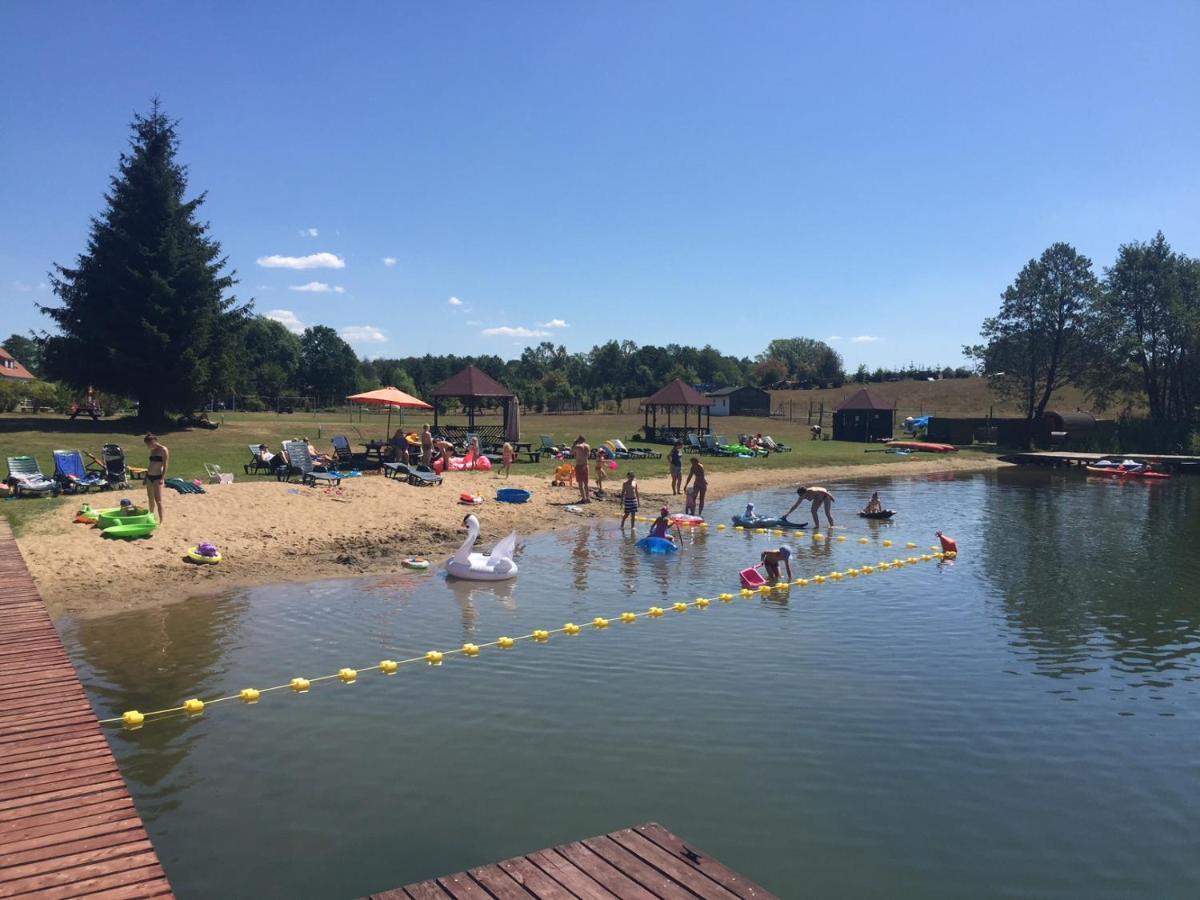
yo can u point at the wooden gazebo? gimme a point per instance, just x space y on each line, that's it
863 417
676 395
470 386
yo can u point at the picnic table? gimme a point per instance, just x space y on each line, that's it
527 448
375 447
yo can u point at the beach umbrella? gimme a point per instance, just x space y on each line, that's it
512 431
392 398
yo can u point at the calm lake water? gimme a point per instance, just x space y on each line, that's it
1022 721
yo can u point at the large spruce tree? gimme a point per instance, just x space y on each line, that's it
146 311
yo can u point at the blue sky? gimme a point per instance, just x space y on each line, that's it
691 172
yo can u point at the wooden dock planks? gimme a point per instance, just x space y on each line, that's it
68 827
643 862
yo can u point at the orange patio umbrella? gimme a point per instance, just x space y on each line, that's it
392 398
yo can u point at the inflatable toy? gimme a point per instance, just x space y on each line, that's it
686 520
767 522
126 515
204 553
513 495
882 514
416 562
464 464
496 566
656 545
470 499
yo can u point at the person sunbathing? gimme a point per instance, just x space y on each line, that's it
320 459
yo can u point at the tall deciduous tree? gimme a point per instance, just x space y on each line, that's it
328 365
146 310
1149 328
1039 341
806 359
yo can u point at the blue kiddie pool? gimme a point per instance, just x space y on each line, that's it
656 545
513 495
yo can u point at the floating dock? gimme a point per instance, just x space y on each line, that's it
68 826
644 862
1062 459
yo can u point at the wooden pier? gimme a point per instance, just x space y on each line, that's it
1064 459
645 863
68 826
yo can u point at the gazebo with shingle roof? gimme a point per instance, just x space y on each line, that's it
471 385
863 417
675 395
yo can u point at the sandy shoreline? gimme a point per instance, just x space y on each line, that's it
270 532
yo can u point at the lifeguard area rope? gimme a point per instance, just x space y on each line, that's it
133 719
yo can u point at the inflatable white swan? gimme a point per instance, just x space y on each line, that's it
496 566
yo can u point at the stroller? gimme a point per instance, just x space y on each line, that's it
115 472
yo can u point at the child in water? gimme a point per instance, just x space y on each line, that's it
771 560
601 456
689 505
630 499
873 506
662 525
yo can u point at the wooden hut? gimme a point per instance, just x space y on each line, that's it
676 397
740 401
863 417
472 385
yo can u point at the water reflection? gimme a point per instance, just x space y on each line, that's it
146 659
1094 574
470 595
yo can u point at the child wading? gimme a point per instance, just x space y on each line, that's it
630 499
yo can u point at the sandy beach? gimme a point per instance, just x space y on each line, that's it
272 532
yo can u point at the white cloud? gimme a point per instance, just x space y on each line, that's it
318 287
389 261
832 338
454 301
312 261
865 339
264 287
363 334
287 319
473 322
555 323
22 287
519 331
309 232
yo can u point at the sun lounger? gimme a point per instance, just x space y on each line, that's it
693 445
423 476
300 463
396 470
342 452
257 463
775 445
73 476
548 446
25 477
216 476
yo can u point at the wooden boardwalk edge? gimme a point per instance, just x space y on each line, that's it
644 862
68 826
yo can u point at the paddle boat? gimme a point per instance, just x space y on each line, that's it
496 566
1125 468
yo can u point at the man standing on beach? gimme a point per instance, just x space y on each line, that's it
426 446
582 451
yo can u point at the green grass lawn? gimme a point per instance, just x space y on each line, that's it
40 435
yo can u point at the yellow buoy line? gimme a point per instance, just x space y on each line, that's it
133 719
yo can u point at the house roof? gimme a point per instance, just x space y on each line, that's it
677 394
863 399
471 382
11 368
726 391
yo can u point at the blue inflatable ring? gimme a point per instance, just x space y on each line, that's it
656 545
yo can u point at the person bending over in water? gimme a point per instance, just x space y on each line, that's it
630 499
873 505
701 484
821 499
771 560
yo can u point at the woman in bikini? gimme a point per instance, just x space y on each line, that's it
821 499
160 458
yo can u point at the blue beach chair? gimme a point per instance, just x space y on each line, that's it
73 476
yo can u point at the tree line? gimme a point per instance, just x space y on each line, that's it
1129 337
